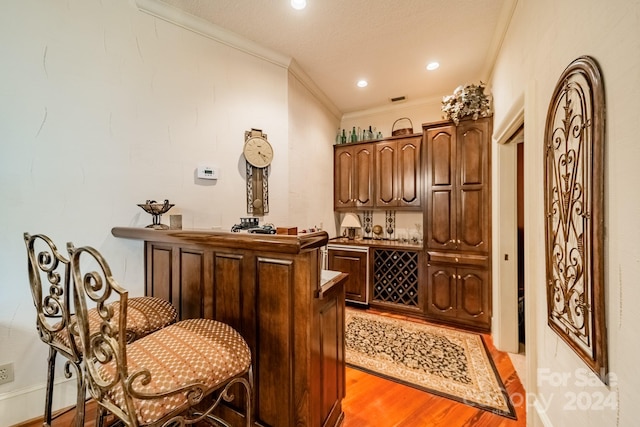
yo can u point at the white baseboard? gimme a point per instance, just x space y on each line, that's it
27 403
542 419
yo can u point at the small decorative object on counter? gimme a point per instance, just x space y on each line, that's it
245 224
291 231
466 101
350 222
175 222
156 210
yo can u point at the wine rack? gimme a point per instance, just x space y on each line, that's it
395 277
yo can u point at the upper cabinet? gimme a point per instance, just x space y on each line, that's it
398 173
353 176
458 186
378 175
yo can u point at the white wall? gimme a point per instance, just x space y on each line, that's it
311 129
383 118
103 107
543 38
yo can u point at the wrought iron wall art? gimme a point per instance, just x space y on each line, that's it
574 208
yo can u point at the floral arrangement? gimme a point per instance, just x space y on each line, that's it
469 100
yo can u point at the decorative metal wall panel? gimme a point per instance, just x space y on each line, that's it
574 187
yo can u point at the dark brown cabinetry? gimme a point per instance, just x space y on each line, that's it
353 176
458 187
378 175
398 174
354 262
457 221
269 289
459 293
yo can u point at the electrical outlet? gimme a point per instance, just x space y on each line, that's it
6 373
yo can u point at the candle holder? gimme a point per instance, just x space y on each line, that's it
156 210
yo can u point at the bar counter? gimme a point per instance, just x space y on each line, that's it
271 289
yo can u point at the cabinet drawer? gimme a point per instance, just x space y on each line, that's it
458 258
354 261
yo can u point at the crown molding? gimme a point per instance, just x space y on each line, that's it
297 72
207 29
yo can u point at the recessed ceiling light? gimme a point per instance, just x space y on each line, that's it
362 83
298 4
433 66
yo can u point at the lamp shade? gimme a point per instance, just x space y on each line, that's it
350 220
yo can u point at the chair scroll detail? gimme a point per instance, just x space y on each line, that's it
50 283
176 376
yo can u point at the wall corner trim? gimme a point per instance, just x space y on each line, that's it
511 121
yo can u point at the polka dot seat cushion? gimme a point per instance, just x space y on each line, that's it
144 316
194 350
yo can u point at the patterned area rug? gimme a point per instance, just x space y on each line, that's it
442 361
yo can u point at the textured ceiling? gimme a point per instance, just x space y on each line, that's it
387 42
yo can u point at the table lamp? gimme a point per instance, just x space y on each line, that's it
351 222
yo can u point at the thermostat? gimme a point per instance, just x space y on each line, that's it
207 172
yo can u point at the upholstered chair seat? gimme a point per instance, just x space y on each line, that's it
191 351
144 315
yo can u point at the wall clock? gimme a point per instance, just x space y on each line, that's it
258 154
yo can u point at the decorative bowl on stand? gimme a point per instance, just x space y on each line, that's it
156 210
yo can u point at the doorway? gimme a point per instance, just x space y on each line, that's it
508 235
519 141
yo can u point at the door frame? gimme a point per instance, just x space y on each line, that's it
504 231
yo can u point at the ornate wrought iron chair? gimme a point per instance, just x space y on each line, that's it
50 281
176 376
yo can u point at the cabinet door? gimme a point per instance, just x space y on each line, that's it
409 175
344 167
473 299
354 263
473 186
398 173
327 358
441 201
363 175
441 291
387 176
353 176
459 294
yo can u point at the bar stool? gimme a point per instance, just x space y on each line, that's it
163 378
50 282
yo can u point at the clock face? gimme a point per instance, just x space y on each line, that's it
258 152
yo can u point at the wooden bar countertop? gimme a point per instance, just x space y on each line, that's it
279 243
375 243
